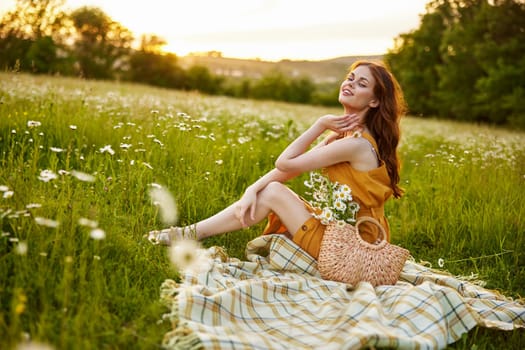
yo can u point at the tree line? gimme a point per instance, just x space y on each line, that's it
38 36
466 60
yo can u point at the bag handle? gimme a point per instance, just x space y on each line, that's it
374 221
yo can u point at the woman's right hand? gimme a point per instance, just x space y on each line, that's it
340 124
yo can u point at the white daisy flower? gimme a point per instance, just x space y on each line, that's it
327 214
47 175
46 222
335 198
162 198
97 234
339 205
108 149
33 205
82 176
31 345
21 248
87 222
33 123
340 223
186 255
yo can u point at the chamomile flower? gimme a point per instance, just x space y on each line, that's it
97 234
82 176
33 123
339 205
187 255
326 216
21 248
108 149
164 200
47 175
333 200
88 223
46 222
33 205
31 345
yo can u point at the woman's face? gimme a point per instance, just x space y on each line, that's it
357 91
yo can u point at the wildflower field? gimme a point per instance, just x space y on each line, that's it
78 159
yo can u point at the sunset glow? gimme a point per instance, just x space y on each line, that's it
266 29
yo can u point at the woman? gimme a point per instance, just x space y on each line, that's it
373 104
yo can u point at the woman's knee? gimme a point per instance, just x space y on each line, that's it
274 191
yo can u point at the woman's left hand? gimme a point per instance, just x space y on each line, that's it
246 205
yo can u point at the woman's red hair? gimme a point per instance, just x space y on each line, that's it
383 120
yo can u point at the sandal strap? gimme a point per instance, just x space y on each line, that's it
168 235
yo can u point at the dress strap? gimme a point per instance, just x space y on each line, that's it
373 145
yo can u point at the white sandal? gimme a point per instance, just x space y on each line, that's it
169 235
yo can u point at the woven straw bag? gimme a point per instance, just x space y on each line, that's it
346 257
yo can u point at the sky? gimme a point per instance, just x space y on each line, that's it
266 29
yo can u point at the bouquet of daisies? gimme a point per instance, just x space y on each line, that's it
332 201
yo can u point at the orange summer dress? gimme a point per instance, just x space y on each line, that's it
370 189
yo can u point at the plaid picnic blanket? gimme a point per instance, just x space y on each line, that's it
277 300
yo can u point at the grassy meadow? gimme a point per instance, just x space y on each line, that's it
77 159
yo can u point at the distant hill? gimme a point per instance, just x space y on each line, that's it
323 71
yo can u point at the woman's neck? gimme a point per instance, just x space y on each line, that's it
360 113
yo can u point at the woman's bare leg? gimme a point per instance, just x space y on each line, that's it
274 197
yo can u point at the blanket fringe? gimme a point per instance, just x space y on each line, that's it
220 253
472 278
181 337
276 272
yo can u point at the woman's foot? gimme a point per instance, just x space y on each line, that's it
170 235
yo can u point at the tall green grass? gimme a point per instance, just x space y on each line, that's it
463 204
